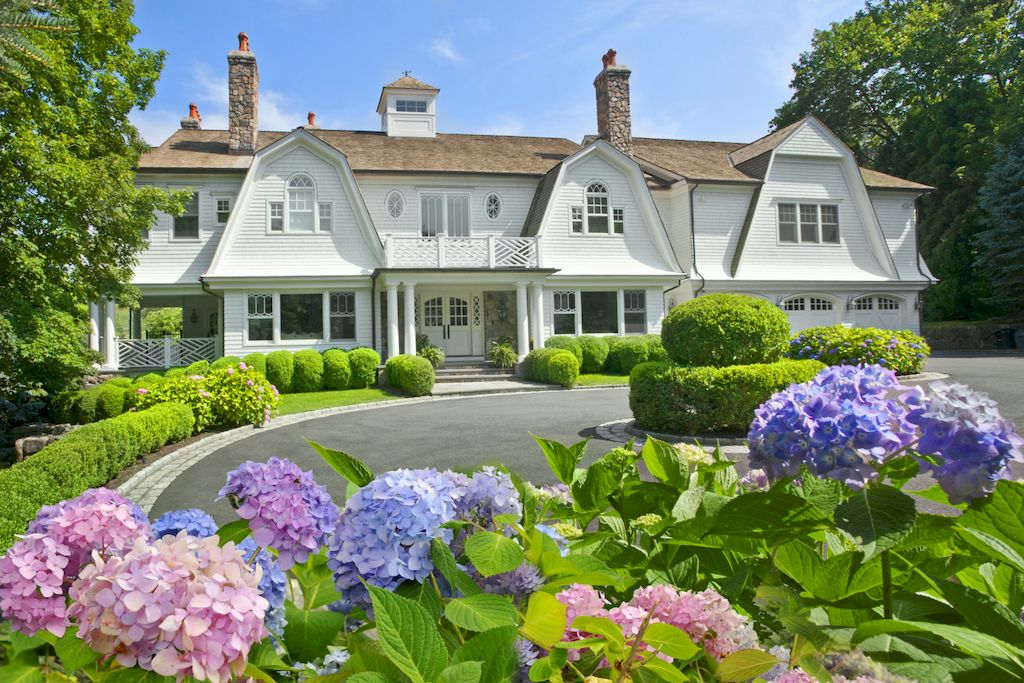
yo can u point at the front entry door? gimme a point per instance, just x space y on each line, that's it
446 323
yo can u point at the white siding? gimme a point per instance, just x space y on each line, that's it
718 212
809 141
254 252
674 207
764 258
516 195
632 253
898 218
170 261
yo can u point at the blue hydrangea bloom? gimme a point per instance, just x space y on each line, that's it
966 431
517 584
488 493
273 585
193 521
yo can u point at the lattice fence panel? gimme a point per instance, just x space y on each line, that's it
465 252
140 353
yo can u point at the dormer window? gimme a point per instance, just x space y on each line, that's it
416 106
301 202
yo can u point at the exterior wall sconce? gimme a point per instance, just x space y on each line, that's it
502 313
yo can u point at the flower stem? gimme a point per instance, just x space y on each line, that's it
886 585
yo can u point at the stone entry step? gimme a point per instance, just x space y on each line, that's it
471 372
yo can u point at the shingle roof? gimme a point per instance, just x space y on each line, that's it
410 83
541 198
764 144
372 151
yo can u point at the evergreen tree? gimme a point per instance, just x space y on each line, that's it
1001 244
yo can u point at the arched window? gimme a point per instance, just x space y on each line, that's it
301 204
797 303
597 207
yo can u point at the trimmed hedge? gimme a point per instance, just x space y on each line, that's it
224 362
110 400
568 343
88 457
280 369
552 366
902 351
593 353
625 353
200 367
707 400
257 360
412 374
364 363
309 371
725 329
337 371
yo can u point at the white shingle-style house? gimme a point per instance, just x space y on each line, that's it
316 238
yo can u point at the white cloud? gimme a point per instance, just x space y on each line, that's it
445 49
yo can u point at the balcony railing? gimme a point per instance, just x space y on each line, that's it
165 352
408 251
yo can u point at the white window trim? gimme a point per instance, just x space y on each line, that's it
445 193
282 202
387 199
325 306
799 237
219 195
287 212
276 303
410 98
333 217
199 220
586 214
328 315
501 205
620 312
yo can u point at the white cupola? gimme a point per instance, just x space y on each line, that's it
407 108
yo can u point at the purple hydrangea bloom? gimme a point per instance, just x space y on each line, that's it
841 425
965 429
88 498
286 509
489 492
517 584
194 521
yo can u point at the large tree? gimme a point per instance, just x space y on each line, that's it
922 89
1001 244
71 217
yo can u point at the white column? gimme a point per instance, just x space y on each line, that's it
620 302
325 314
523 320
393 349
110 335
94 326
410 318
537 294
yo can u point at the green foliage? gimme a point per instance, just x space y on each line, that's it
725 329
625 353
40 343
1001 243
147 380
503 354
241 397
223 362
921 90
174 372
280 369
110 400
257 360
594 354
87 457
709 400
200 367
337 372
432 353
162 322
190 391
551 367
568 343
412 374
901 351
309 371
364 363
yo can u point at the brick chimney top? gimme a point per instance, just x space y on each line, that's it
193 121
243 42
608 58
311 121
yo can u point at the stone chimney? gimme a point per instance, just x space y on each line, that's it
243 98
193 121
613 119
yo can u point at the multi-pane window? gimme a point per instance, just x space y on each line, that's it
565 312
301 201
433 312
223 209
492 206
795 304
888 304
818 304
808 222
444 214
260 317
600 312
576 217
276 216
457 218
817 224
326 216
302 316
597 208
395 204
866 303
618 221
343 315
635 310
830 223
787 223
415 106
431 215
186 226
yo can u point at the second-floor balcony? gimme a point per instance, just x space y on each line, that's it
442 251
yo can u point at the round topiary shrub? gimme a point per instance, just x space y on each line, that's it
568 343
364 363
258 361
200 367
337 371
626 353
706 400
309 371
901 351
537 366
725 329
224 362
594 353
175 372
656 349
147 379
412 374
564 369
280 368
110 400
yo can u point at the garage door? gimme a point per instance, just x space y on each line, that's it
809 311
878 311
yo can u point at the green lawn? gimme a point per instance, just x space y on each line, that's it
316 400
599 378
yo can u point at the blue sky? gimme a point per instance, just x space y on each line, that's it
709 70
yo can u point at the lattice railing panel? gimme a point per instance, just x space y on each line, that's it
465 252
140 353
514 252
414 252
188 351
461 252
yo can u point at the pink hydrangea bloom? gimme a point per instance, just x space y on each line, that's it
794 676
179 606
32 584
580 601
231 371
141 391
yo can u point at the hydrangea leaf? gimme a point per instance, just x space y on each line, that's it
352 469
983 612
120 676
999 514
481 612
597 482
545 620
408 636
671 640
444 560
665 671
877 517
254 673
769 513
744 665
361 677
662 461
264 656
994 547
233 532
834 579
493 553
19 673
308 632
73 652
495 649
463 672
316 582
601 626
561 459
423 594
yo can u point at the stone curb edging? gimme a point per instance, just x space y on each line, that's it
923 377
146 485
704 441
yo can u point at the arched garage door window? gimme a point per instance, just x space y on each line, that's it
809 311
878 311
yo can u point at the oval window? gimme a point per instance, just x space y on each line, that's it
492 205
395 204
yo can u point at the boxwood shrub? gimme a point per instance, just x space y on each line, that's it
706 400
257 360
725 329
568 343
902 351
337 371
309 371
593 353
364 363
551 367
280 369
625 353
88 457
412 374
110 400
224 362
